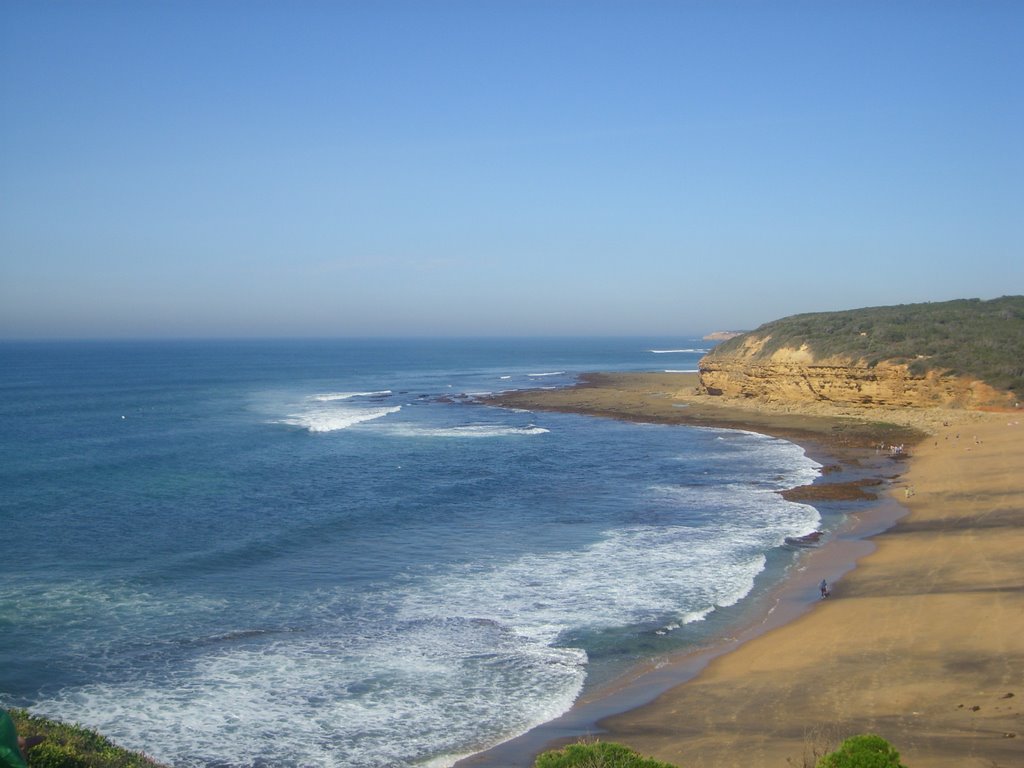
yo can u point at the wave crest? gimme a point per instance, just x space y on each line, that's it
470 430
329 397
332 421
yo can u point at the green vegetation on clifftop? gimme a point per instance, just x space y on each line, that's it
966 337
72 746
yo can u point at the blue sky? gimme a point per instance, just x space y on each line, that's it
439 167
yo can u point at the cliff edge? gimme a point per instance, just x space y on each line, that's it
960 354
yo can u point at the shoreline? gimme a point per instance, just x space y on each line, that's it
793 596
663 708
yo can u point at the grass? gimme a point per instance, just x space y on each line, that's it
72 746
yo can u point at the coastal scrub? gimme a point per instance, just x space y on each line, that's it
864 751
72 746
597 755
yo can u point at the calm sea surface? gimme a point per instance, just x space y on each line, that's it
288 553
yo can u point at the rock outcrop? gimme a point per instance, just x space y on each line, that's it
796 376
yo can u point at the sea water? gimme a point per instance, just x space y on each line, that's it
326 553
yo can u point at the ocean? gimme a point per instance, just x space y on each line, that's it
326 553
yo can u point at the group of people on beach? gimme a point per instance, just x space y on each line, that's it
892 450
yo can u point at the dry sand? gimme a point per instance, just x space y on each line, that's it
923 643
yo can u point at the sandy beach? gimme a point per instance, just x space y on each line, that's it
922 643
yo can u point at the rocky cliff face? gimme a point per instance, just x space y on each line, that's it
794 375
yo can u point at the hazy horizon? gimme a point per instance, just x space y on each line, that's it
462 169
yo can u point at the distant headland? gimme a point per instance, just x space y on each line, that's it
723 335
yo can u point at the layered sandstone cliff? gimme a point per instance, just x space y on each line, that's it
796 376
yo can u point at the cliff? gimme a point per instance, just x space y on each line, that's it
796 376
840 358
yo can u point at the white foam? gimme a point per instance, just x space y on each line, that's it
551 373
676 351
466 430
373 694
784 464
645 574
332 396
691 617
683 370
332 420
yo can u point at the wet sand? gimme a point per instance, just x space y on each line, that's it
922 643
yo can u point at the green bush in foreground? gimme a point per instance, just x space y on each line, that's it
866 751
596 755
72 746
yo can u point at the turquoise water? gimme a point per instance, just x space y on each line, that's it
324 553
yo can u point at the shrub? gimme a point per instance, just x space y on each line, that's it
865 751
72 746
596 755
49 755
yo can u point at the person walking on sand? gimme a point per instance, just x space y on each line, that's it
824 589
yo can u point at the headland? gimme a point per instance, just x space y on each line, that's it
922 643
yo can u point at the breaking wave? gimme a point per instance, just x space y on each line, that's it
336 419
